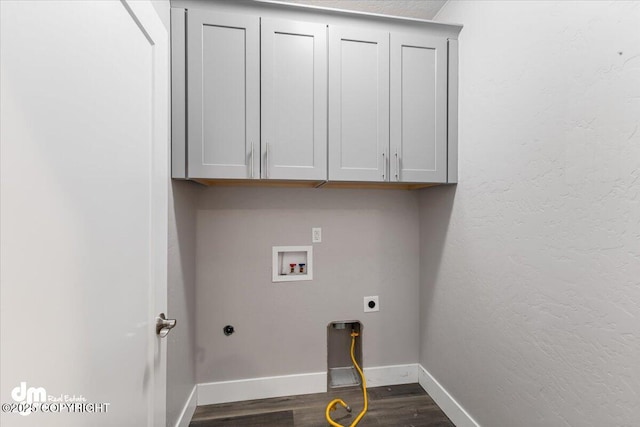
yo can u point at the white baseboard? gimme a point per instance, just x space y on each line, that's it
261 388
445 401
288 385
391 375
189 409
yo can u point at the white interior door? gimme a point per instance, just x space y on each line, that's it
83 216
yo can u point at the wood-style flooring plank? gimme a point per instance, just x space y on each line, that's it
280 418
405 405
402 390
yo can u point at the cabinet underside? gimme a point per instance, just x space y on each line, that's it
312 184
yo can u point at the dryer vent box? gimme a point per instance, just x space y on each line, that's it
340 369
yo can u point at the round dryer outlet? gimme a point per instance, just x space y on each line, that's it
371 304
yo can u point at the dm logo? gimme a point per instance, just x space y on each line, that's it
22 394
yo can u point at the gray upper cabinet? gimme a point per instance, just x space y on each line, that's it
294 100
387 107
272 92
358 104
418 108
223 93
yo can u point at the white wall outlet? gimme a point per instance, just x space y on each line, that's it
371 304
316 235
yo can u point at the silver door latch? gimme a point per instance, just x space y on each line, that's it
164 325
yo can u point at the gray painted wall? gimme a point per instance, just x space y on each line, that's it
181 376
370 247
181 298
370 236
530 288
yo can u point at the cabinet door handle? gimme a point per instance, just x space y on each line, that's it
266 162
397 166
384 166
252 176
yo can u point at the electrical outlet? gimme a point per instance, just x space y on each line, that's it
371 304
316 235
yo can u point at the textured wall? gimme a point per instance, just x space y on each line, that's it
369 247
181 347
530 290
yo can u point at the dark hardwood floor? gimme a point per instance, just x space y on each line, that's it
401 405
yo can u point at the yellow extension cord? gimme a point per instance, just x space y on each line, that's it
334 403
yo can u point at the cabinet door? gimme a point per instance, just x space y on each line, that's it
294 100
418 108
358 104
223 94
